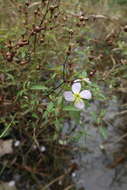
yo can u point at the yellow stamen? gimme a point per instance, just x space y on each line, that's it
77 97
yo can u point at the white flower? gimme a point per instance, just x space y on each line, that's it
87 80
78 80
76 96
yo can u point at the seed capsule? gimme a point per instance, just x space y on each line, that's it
71 31
81 18
42 40
27 4
35 12
125 28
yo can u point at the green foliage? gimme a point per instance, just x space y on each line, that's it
121 2
103 132
43 51
40 58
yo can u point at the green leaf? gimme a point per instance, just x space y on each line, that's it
59 100
21 93
38 87
70 108
94 115
50 107
84 74
75 116
23 54
103 132
34 115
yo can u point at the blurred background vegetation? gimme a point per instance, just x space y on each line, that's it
87 39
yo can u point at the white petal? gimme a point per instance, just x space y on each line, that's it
76 87
86 94
79 104
87 80
68 95
77 80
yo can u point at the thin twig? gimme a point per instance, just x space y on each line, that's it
69 187
47 9
64 68
121 113
121 138
52 182
7 128
55 89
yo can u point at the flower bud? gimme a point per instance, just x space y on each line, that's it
81 18
125 28
71 31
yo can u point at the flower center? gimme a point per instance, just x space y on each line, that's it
77 97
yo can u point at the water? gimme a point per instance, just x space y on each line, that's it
102 169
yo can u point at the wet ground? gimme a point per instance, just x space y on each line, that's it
102 164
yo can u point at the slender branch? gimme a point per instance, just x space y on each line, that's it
64 68
7 128
55 88
47 9
69 187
